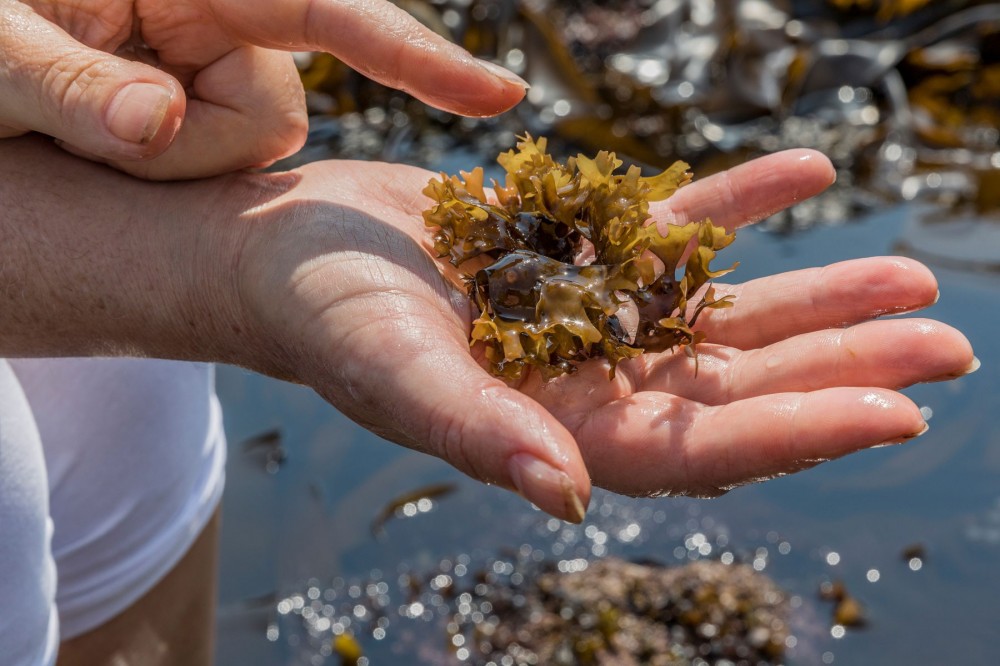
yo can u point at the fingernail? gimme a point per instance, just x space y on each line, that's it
972 367
137 111
503 73
549 489
937 297
905 438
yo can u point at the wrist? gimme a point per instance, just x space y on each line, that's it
233 262
97 263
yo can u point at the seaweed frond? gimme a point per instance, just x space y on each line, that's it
537 307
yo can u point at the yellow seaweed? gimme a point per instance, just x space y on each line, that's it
537 307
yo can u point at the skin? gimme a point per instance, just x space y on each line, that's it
324 276
225 72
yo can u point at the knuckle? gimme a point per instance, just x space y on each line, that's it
291 136
286 135
454 434
311 18
67 84
415 62
448 436
730 192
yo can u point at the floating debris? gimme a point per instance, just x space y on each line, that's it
270 443
410 504
914 556
847 611
914 550
348 649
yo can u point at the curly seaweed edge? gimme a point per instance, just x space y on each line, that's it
537 308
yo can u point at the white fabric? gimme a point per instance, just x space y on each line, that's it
135 455
29 626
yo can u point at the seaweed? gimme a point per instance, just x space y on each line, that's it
886 9
539 304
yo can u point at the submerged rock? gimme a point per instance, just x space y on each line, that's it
618 612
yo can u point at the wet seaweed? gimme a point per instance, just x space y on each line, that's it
886 9
539 304
396 505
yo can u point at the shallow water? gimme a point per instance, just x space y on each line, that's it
308 523
299 537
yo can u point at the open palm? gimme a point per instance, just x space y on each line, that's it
795 374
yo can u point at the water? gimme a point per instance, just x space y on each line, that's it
851 519
912 531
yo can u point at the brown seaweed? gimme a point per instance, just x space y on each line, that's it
886 9
538 307
395 505
270 443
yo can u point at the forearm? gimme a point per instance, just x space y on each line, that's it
95 263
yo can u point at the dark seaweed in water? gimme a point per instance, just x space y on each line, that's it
622 613
525 612
537 307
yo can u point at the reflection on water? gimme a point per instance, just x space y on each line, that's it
307 526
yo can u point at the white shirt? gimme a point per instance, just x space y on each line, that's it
132 465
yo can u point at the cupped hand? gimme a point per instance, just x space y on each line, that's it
337 271
186 88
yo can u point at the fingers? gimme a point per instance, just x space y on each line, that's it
102 104
245 109
402 368
780 306
888 354
499 435
384 43
651 443
750 192
495 433
378 332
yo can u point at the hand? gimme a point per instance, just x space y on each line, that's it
324 276
170 89
338 276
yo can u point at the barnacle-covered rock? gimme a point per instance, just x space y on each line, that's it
538 306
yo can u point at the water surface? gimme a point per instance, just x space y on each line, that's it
849 519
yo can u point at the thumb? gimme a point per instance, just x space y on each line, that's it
440 401
97 102
500 435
